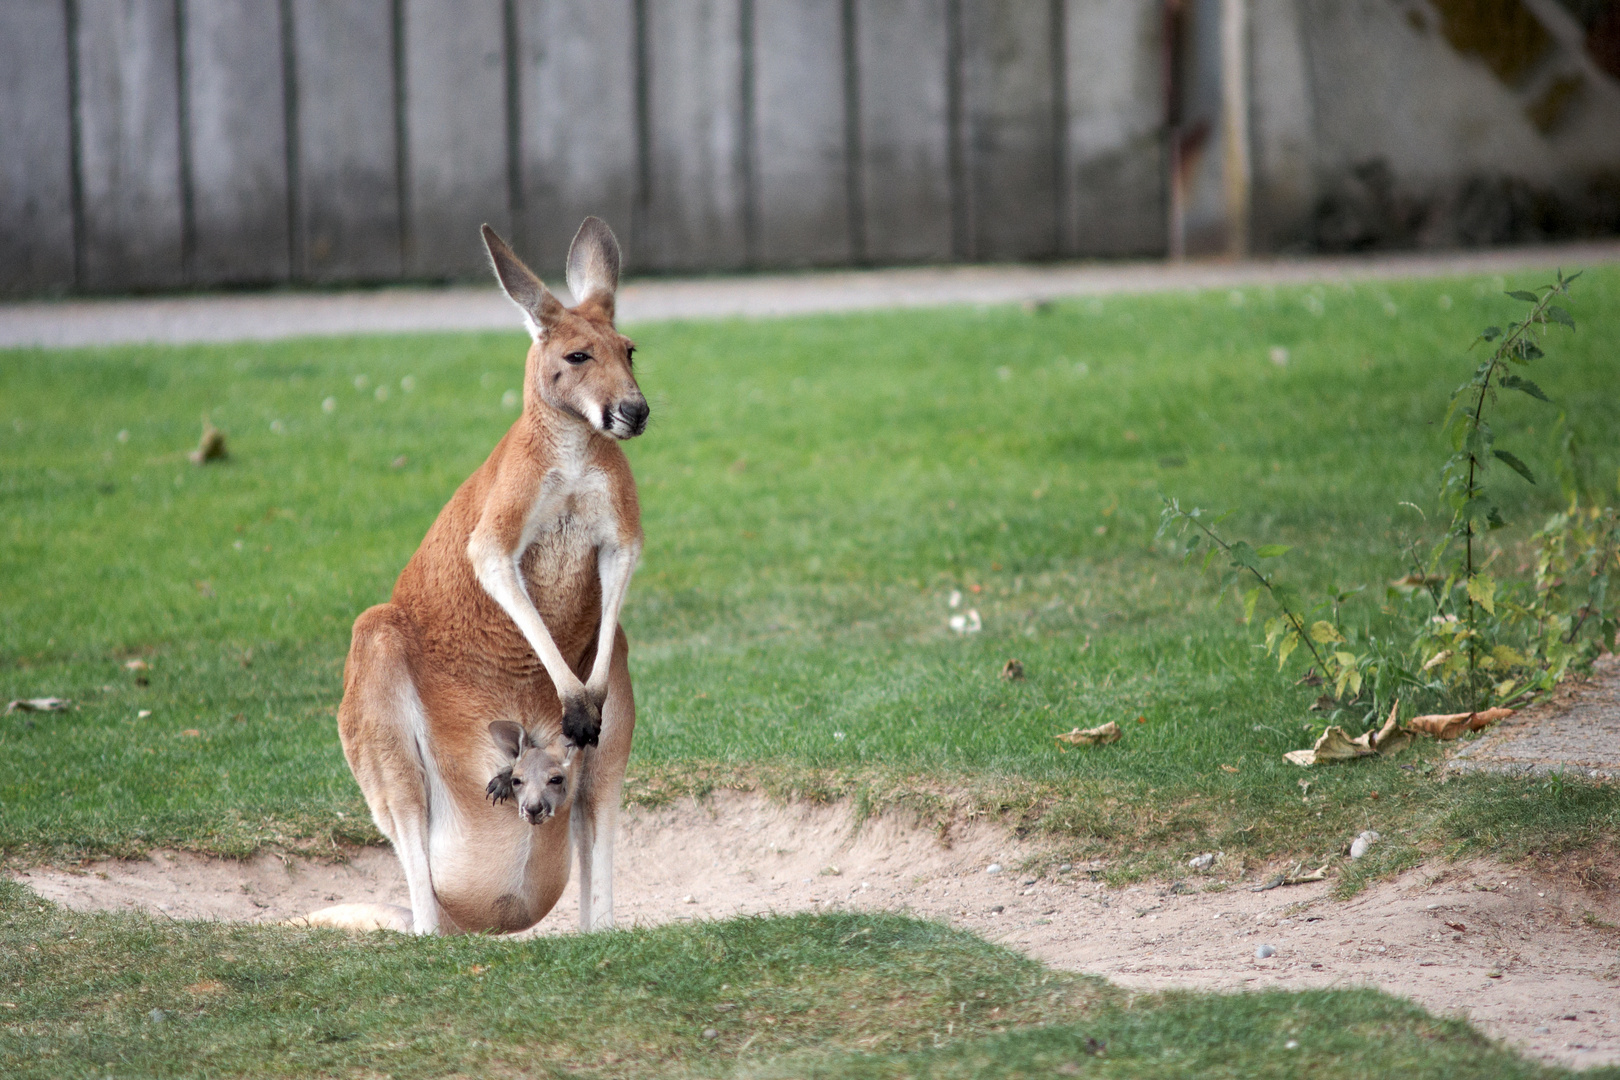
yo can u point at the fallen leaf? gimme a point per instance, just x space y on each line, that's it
1230 768
1310 678
1325 703
211 447
1457 926
191 732
1416 581
1450 725
1336 745
1333 745
207 986
1097 736
39 704
137 665
1294 878
1012 670
1141 719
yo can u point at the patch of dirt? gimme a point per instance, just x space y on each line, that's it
1528 958
1578 731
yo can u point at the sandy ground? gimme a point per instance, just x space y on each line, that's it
249 316
1529 960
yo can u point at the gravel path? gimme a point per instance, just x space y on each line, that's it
270 315
1577 732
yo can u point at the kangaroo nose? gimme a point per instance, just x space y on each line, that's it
636 413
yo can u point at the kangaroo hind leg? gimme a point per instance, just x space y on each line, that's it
595 817
385 738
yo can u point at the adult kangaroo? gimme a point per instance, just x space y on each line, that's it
498 666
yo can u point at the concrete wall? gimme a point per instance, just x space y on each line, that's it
156 144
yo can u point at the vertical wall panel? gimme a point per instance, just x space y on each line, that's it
1009 111
1116 111
800 141
698 167
348 183
455 113
577 124
129 124
1284 139
237 109
36 203
900 48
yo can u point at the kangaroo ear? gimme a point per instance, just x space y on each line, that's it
509 738
540 308
593 265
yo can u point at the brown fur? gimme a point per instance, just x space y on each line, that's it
457 648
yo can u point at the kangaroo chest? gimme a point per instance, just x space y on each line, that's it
571 518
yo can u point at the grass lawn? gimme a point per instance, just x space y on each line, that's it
813 491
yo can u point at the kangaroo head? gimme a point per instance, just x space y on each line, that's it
579 364
540 779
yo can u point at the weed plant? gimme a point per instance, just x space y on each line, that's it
1452 634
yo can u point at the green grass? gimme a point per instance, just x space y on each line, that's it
828 996
813 489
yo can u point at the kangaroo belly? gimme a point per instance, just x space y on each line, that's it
507 878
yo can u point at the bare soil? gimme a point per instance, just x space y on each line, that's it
1532 957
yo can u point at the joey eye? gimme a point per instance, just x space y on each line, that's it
577 357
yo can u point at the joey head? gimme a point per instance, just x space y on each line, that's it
540 779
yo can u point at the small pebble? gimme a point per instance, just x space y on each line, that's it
1202 862
1366 840
710 1033
1543 1031
998 909
1029 881
993 868
158 1016
1264 951
1065 868
1291 1044
688 899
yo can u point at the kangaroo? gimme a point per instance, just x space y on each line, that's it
498 669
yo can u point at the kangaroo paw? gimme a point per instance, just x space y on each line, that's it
582 721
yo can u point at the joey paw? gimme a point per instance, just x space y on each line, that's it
500 786
582 720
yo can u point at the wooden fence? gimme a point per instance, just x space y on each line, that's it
153 144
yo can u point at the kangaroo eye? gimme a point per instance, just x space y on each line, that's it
556 780
516 782
577 357
630 354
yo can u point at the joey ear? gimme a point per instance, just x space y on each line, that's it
509 738
527 291
593 265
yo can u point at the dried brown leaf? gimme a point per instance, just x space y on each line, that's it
1101 735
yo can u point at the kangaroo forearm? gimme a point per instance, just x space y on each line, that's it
500 579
